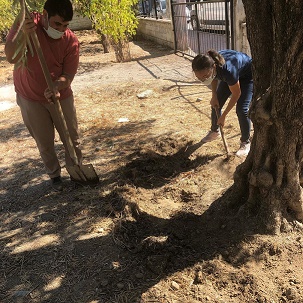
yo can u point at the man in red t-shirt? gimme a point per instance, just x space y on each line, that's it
61 51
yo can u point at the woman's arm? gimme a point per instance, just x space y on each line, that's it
214 98
235 95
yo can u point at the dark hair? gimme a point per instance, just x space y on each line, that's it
62 8
207 60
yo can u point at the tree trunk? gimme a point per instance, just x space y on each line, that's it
105 43
122 51
269 180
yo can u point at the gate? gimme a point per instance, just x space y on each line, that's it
204 25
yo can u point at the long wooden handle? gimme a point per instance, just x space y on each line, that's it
49 81
222 133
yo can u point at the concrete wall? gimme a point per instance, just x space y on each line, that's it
240 33
160 31
80 23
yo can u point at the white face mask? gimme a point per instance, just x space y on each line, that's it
53 33
210 79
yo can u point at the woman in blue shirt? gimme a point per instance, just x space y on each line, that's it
230 75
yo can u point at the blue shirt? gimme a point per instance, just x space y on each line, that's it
237 66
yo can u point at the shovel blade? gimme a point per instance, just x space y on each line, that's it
83 174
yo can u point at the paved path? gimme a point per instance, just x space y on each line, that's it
172 67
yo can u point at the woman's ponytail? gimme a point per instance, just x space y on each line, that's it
207 60
219 60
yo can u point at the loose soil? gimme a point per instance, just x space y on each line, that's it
156 228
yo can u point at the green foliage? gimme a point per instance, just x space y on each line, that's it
7 15
20 10
114 18
9 10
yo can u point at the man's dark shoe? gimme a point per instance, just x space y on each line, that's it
57 183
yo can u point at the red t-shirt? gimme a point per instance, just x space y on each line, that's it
62 57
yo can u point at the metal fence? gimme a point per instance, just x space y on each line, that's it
153 9
204 25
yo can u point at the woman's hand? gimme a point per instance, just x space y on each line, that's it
214 102
221 121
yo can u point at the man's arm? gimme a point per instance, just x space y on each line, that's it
62 82
12 46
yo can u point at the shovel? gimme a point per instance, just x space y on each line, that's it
222 134
79 173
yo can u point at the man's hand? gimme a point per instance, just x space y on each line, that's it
12 49
29 25
52 95
62 82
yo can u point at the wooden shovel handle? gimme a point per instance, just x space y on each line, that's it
222 133
49 81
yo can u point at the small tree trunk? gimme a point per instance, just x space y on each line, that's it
122 51
105 43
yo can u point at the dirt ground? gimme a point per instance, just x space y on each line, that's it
154 229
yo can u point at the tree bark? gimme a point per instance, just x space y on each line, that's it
105 43
122 50
269 180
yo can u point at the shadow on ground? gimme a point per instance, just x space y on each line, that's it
109 267
87 244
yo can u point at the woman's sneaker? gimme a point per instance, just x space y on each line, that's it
211 136
243 150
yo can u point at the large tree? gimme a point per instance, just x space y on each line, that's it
268 182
